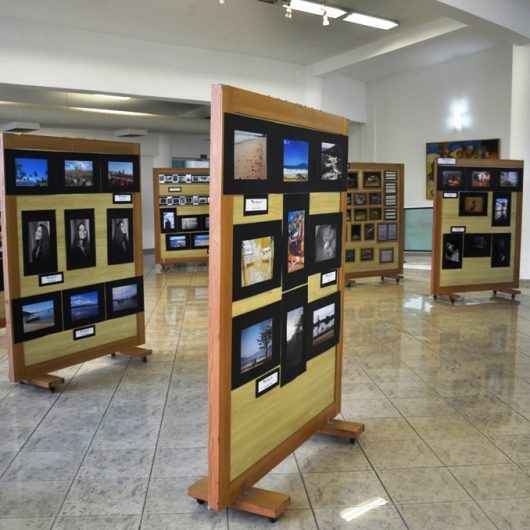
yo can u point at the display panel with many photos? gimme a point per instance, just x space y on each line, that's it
477 226
374 220
182 220
72 251
276 282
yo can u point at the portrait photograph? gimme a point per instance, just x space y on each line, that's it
293 356
120 236
501 250
256 345
502 209
83 306
295 160
125 297
480 179
39 242
477 245
36 316
473 203
257 260
168 220
325 242
79 175
296 220
372 179
80 239
452 251
332 161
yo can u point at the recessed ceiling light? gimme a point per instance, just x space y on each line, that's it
372 22
112 111
315 8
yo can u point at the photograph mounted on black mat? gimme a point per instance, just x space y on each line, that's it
356 232
84 305
367 254
294 341
256 340
120 238
451 179
29 173
453 246
189 223
295 160
200 240
295 218
39 238
325 321
501 250
502 209
177 242
125 297
168 220
481 179
477 245
350 255
510 179
79 175
352 180
473 203
256 258
121 174
325 241
372 179
333 159
80 234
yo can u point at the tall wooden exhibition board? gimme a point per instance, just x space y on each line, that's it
260 415
180 196
478 208
87 309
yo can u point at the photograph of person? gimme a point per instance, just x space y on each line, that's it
40 244
120 236
80 245
325 242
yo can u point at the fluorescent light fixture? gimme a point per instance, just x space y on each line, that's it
349 514
372 22
112 111
111 97
315 8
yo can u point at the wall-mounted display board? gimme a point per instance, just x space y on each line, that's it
2 304
275 291
477 227
374 221
72 238
182 220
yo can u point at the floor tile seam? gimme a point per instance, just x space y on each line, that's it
59 394
89 446
301 475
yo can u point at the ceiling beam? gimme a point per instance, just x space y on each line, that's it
396 40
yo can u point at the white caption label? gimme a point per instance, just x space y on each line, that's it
269 381
329 277
255 205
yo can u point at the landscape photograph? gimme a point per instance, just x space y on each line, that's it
121 174
38 316
331 161
31 172
84 306
78 173
124 297
250 155
323 324
295 160
256 345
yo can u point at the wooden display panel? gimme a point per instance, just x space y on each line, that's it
250 434
475 273
163 256
359 268
30 360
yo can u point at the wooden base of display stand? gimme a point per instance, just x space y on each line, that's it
396 277
510 292
453 297
45 381
138 352
272 504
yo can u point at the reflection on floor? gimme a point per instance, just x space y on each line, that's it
444 392
420 261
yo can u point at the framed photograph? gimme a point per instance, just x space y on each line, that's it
392 231
29 172
452 251
248 157
382 232
79 174
333 159
473 203
257 258
369 232
356 233
451 179
324 317
125 297
372 179
83 306
294 342
168 220
206 222
121 173
352 180
37 316
295 160
502 209
256 343
348 215
390 214
349 200
510 179
367 254
360 214
386 255
501 250
80 232
391 200
120 236
200 240
374 198
360 199
375 214
295 229
176 242
350 255
481 179
325 241
477 245
39 239
162 201
189 223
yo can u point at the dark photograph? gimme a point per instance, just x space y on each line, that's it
168 220
452 248
502 209
473 203
325 317
501 250
40 242
332 161
125 297
367 254
79 174
372 179
294 338
452 179
120 236
80 239
477 245
481 179
353 180
325 242
369 232
374 198
375 214
350 255
83 306
356 233
359 199
360 214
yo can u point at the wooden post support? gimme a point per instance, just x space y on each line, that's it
258 501
45 381
343 429
136 351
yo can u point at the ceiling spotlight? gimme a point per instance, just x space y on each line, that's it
222 2
325 19
288 11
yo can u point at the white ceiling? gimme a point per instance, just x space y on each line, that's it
242 26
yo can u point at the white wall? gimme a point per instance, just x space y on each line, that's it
408 110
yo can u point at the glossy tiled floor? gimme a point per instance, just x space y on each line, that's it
444 392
